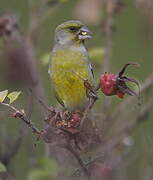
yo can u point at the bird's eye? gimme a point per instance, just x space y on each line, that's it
73 29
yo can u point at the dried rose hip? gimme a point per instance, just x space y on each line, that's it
115 84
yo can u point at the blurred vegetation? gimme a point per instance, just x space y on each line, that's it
46 169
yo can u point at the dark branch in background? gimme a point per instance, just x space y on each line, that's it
108 32
42 11
108 29
145 111
20 57
142 116
80 162
11 149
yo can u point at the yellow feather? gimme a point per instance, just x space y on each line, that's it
68 69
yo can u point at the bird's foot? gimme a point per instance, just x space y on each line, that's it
92 96
66 115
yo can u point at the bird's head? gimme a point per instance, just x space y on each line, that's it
71 32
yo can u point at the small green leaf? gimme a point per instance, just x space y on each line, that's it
3 95
2 168
13 96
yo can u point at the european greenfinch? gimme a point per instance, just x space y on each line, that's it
70 65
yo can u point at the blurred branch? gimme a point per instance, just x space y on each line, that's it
11 150
145 111
108 30
105 150
108 34
77 157
20 57
141 117
88 109
38 14
113 7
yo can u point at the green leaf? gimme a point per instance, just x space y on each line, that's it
3 95
13 96
2 168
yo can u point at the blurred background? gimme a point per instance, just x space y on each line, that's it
24 54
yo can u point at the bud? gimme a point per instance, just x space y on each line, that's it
115 84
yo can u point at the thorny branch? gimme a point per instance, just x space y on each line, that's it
113 142
20 114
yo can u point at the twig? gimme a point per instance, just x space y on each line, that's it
42 103
141 117
107 147
77 157
87 110
21 115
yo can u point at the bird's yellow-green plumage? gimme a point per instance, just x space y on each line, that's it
68 69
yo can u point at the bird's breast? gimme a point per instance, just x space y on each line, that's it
69 69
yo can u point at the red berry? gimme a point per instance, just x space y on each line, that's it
115 84
120 94
108 84
101 169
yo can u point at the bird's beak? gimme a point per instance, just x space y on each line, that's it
84 33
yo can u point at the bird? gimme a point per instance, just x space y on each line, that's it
70 65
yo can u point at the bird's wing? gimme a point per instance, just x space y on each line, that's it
59 100
91 69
